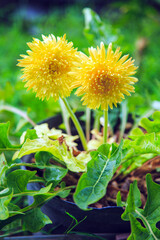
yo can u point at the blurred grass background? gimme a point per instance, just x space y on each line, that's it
133 25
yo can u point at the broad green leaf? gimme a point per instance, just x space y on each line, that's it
92 184
13 224
5 198
18 179
52 172
43 159
4 141
34 220
31 134
3 168
150 216
60 151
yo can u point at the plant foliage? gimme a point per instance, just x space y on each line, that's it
149 216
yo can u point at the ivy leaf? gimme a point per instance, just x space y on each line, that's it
4 141
92 184
34 220
5 198
3 168
150 216
52 172
31 134
18 179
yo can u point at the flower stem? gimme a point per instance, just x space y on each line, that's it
17 111
76 123
105 130
65 116
88 123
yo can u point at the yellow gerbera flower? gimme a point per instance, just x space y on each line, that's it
103 79
47 65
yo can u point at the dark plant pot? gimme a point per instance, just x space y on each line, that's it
71 237
104 220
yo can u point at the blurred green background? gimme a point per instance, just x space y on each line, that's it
132 25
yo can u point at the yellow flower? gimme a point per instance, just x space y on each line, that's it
104 78
46 67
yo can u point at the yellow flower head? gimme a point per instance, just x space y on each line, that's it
104 78
47 65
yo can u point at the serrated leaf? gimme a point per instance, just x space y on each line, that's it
150 216
138 232
139 144
133 201
92 184
34 220
147 144
152 126
18 179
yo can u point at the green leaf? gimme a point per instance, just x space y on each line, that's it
147 144
60 151
92 184
138 232
34 220
133 201
18 179
31 134
43 159
95 30
3 168
5 198
139 144
4 141
151 126
5 144
52 172
150 216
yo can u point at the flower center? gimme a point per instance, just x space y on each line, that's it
102 84
58 67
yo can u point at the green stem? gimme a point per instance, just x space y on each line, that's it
65 117
88 121
17 111
123 119
76 123
105 131
9 149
